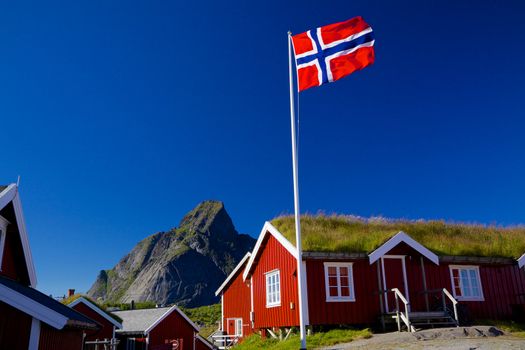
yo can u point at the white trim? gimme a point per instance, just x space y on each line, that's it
166 314
34 337
222 312
521 261
234 319
32 308
96 309
3 235
268 275
207 343
233 273
7 195
17 204
405 280
480 286
339 299
395 240
252 318
268 228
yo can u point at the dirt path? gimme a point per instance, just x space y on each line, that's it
463 338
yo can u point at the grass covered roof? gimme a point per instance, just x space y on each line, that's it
342 233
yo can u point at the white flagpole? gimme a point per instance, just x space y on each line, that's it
300 273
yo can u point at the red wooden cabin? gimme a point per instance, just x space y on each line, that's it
357 288
158 329
108 324
29 319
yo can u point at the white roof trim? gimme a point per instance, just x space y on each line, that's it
96 309
268 228
166 314
32 308
521 261
233 273
204 341
10 194
395 240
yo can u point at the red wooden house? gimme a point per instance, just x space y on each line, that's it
159 329
351 286
28 318
108 323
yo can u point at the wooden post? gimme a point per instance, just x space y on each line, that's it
424 283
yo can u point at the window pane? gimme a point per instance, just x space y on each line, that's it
332 281
332 271
344 281
343 271
345 292
334 292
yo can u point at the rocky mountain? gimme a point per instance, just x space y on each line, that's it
184 265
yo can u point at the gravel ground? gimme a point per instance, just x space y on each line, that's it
462 338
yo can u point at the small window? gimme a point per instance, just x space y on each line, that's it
273 289
238 327
339 282
466 283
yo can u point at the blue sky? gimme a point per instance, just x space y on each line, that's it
122 116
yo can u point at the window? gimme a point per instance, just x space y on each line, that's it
339 282
466 284
273 289
238 327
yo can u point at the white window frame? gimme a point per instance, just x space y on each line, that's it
3 234
268 276
339 298
478 276
237 326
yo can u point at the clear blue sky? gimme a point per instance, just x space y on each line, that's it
121 117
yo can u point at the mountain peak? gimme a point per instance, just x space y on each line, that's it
208 216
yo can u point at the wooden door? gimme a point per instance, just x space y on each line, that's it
394 276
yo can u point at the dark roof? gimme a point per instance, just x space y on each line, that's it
75 319
137 321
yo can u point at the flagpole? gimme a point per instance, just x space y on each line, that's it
300 273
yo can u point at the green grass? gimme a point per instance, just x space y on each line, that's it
336 336
340 233
207 316
514 328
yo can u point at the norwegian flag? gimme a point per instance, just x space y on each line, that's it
332 52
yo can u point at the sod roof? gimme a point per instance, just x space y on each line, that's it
350 234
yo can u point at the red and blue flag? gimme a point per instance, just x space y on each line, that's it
332 52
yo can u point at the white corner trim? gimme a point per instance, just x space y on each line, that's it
32 308
521 261
25 240
395 240
268 228
34 337
98 310
166 314
7 195
305 291
204 341
233 273
3 234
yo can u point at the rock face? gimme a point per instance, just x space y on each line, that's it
184 265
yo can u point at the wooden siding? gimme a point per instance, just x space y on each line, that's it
199 345
274 256
15 328
65 339
174 326
13 259
237 304
364 310
106 332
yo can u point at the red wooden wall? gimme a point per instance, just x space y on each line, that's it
364 310
13 260
65 339
275 256
237 303
199 345
172 327
106 332
15 328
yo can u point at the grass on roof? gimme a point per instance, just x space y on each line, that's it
341 233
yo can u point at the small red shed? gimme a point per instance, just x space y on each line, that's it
108 323
30 319
164 328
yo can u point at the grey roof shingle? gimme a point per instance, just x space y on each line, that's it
137 321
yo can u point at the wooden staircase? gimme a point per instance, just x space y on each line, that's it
414 321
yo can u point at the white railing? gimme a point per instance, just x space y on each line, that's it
446 293
106 344
400 316
225 341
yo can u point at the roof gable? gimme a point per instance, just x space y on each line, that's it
10 195
144 320
397 239
236 270
95 308
521 261
268 229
